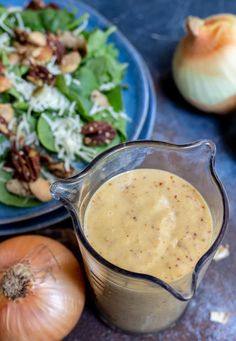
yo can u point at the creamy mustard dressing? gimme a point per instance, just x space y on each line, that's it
149 221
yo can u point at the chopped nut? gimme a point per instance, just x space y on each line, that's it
36 52
98 133
30 54
21 35
20 48
82 46
100 99
4 127
39 4
5 83
26 163
7 112
37 38
13 58
58 169
25 50
36 5
39 75
71 41
45 55
40 189
70 62
18 187
56 46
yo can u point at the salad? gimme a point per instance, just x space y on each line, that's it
60 98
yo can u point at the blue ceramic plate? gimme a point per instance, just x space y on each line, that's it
136 101
61 214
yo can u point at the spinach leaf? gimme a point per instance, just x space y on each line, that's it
106 69
88 81
74 24
97 41
4 97
2 9
14 93
21 105
45 134
11 199
82 104
4 58
115 98
101 58
32 20
55 20
20 70
49 20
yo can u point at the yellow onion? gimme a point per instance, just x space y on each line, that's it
41 290
204 64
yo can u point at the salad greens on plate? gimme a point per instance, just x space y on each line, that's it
60 98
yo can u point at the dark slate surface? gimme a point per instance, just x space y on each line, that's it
154 27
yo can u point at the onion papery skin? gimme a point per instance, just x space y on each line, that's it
204 67
56 299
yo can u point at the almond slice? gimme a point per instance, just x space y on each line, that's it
6 111
37 38
18 187
40 189
5 83
100 99
70 62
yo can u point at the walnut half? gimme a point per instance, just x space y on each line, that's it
98 133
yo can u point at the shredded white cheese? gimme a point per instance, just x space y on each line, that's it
222 252
20 21
49 98
107 86
23 87
53 68
76 81
9 10
3 26
14 9
12 124
24 135
72 108
81 28
116 115
68 79
5 42
96 108
68 139
219 317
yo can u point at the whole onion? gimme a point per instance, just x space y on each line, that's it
42 290
204 67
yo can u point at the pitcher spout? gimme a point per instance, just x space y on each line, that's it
206 150
65 190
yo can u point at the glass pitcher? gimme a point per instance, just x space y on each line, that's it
131 301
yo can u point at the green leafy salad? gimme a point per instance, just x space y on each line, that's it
60 98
